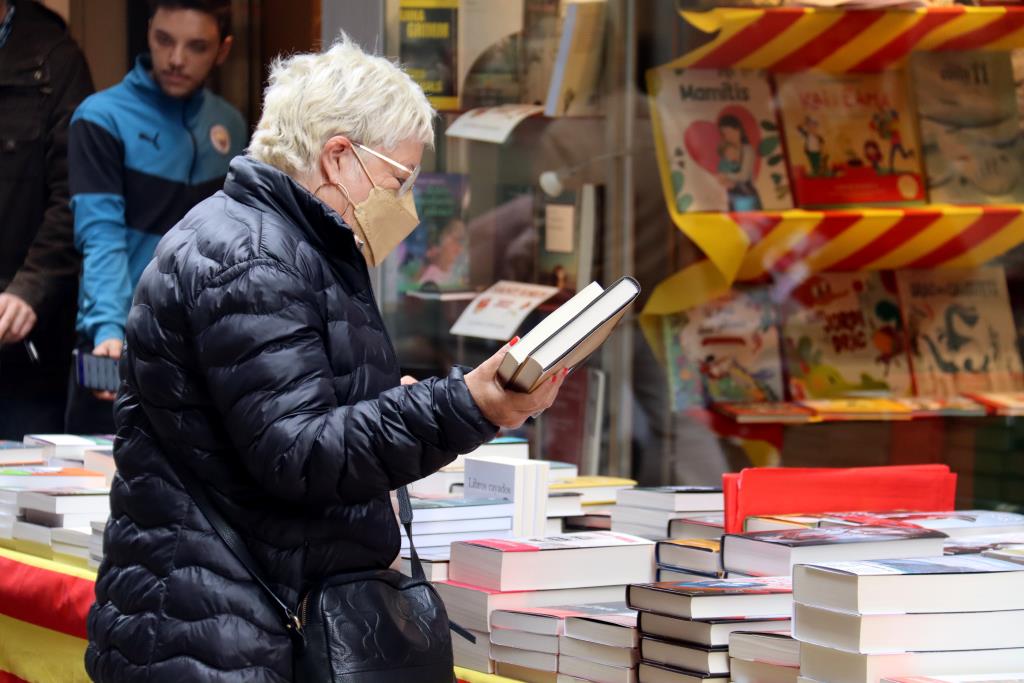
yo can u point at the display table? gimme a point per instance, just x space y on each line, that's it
43 607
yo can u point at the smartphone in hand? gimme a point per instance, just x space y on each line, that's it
98 373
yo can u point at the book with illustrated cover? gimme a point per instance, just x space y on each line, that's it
429 46
970 126
435 257
850 138
490 44
954 523
871 409
717 139
575 76
777 412
774 553
843 336
741 598
725 351
961 331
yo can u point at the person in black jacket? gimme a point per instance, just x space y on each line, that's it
43 77
256 358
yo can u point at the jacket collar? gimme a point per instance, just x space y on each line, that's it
141 82
255 183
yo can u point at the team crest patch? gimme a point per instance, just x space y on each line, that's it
220 138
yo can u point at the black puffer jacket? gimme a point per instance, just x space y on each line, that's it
256 357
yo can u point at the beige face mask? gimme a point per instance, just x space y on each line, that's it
383 219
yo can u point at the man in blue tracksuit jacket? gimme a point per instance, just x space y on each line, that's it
141 154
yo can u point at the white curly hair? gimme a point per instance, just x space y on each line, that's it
341 91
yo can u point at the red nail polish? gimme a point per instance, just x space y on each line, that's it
565 372
513 341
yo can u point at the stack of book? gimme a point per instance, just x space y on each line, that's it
96 543
524 643
439 521
858 622
573 569
689 559
764 657
522 482
454 473
68 450
58 520
18 453
685 625
601 643
774 553
8 512
649 512
596 490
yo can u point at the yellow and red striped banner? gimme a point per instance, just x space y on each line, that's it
43 607
797 38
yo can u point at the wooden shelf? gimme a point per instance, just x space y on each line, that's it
785 39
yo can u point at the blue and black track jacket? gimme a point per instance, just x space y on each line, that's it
139 160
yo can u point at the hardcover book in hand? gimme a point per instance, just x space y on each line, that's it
568 336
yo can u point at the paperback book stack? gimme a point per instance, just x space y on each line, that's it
96 543
454 473
649 512
601 643
8 512
689 559
765 657
18 453
859 622
572 569
685 625
56 521
774 553
68 450
439 521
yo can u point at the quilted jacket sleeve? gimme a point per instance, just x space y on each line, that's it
260 344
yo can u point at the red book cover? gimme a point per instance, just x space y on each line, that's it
770 491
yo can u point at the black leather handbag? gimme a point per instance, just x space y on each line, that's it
375 626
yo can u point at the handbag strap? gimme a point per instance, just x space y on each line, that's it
237 546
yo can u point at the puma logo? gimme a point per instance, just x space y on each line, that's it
154 139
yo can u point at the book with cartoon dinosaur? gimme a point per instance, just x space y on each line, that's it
718 140
850 138
961 331
843 337
970 126
725 351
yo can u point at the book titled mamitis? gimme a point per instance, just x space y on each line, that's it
724 351
970 126
850 139
843 336
961 329
717 138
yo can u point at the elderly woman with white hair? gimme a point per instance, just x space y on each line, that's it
257 363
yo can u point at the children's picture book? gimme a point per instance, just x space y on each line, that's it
970 126
850 139
435 257
961 331
717 139
843 336
724 351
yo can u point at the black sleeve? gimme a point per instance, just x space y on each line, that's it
52 260
260 344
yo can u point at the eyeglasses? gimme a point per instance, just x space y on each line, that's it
409 181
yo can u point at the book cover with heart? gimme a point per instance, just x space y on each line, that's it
843 336
718 140
850 139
